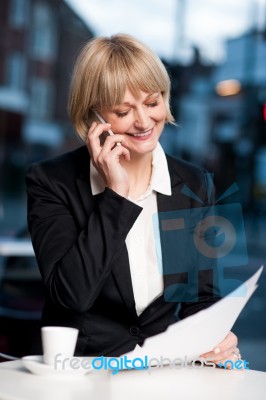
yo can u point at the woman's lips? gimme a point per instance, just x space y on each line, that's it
142 135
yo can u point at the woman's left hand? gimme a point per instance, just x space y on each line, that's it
226 350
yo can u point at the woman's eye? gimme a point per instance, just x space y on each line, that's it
153 104
122 114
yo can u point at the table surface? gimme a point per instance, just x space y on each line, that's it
16 383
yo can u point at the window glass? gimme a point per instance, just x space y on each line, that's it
44 38
42 99
16 70
18 13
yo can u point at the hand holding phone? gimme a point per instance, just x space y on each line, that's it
104 122
107 159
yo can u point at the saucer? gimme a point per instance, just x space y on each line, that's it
36 365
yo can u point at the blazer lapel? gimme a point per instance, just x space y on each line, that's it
171 203
122 277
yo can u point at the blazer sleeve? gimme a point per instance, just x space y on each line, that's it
75 262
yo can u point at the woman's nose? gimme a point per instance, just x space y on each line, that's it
142 119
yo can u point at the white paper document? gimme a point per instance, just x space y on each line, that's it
201 332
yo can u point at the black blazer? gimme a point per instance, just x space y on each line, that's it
79 242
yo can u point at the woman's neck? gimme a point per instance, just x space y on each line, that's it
139 171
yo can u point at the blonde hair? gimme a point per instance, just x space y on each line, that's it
104 69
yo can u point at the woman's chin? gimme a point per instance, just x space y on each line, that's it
143 150
140 147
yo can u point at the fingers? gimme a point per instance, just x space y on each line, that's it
224 348
224 351
106 158
227 344
93 141
226 354
236 354
92 136
230 361
110 145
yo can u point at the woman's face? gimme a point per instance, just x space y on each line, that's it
140 119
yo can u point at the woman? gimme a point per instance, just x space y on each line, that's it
90 210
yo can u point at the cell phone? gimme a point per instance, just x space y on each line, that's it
103 136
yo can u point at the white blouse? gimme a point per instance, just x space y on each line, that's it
142 240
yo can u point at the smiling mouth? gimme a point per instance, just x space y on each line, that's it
146 133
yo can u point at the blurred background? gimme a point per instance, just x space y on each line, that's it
215 53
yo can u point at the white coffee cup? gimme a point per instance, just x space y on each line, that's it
58 343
